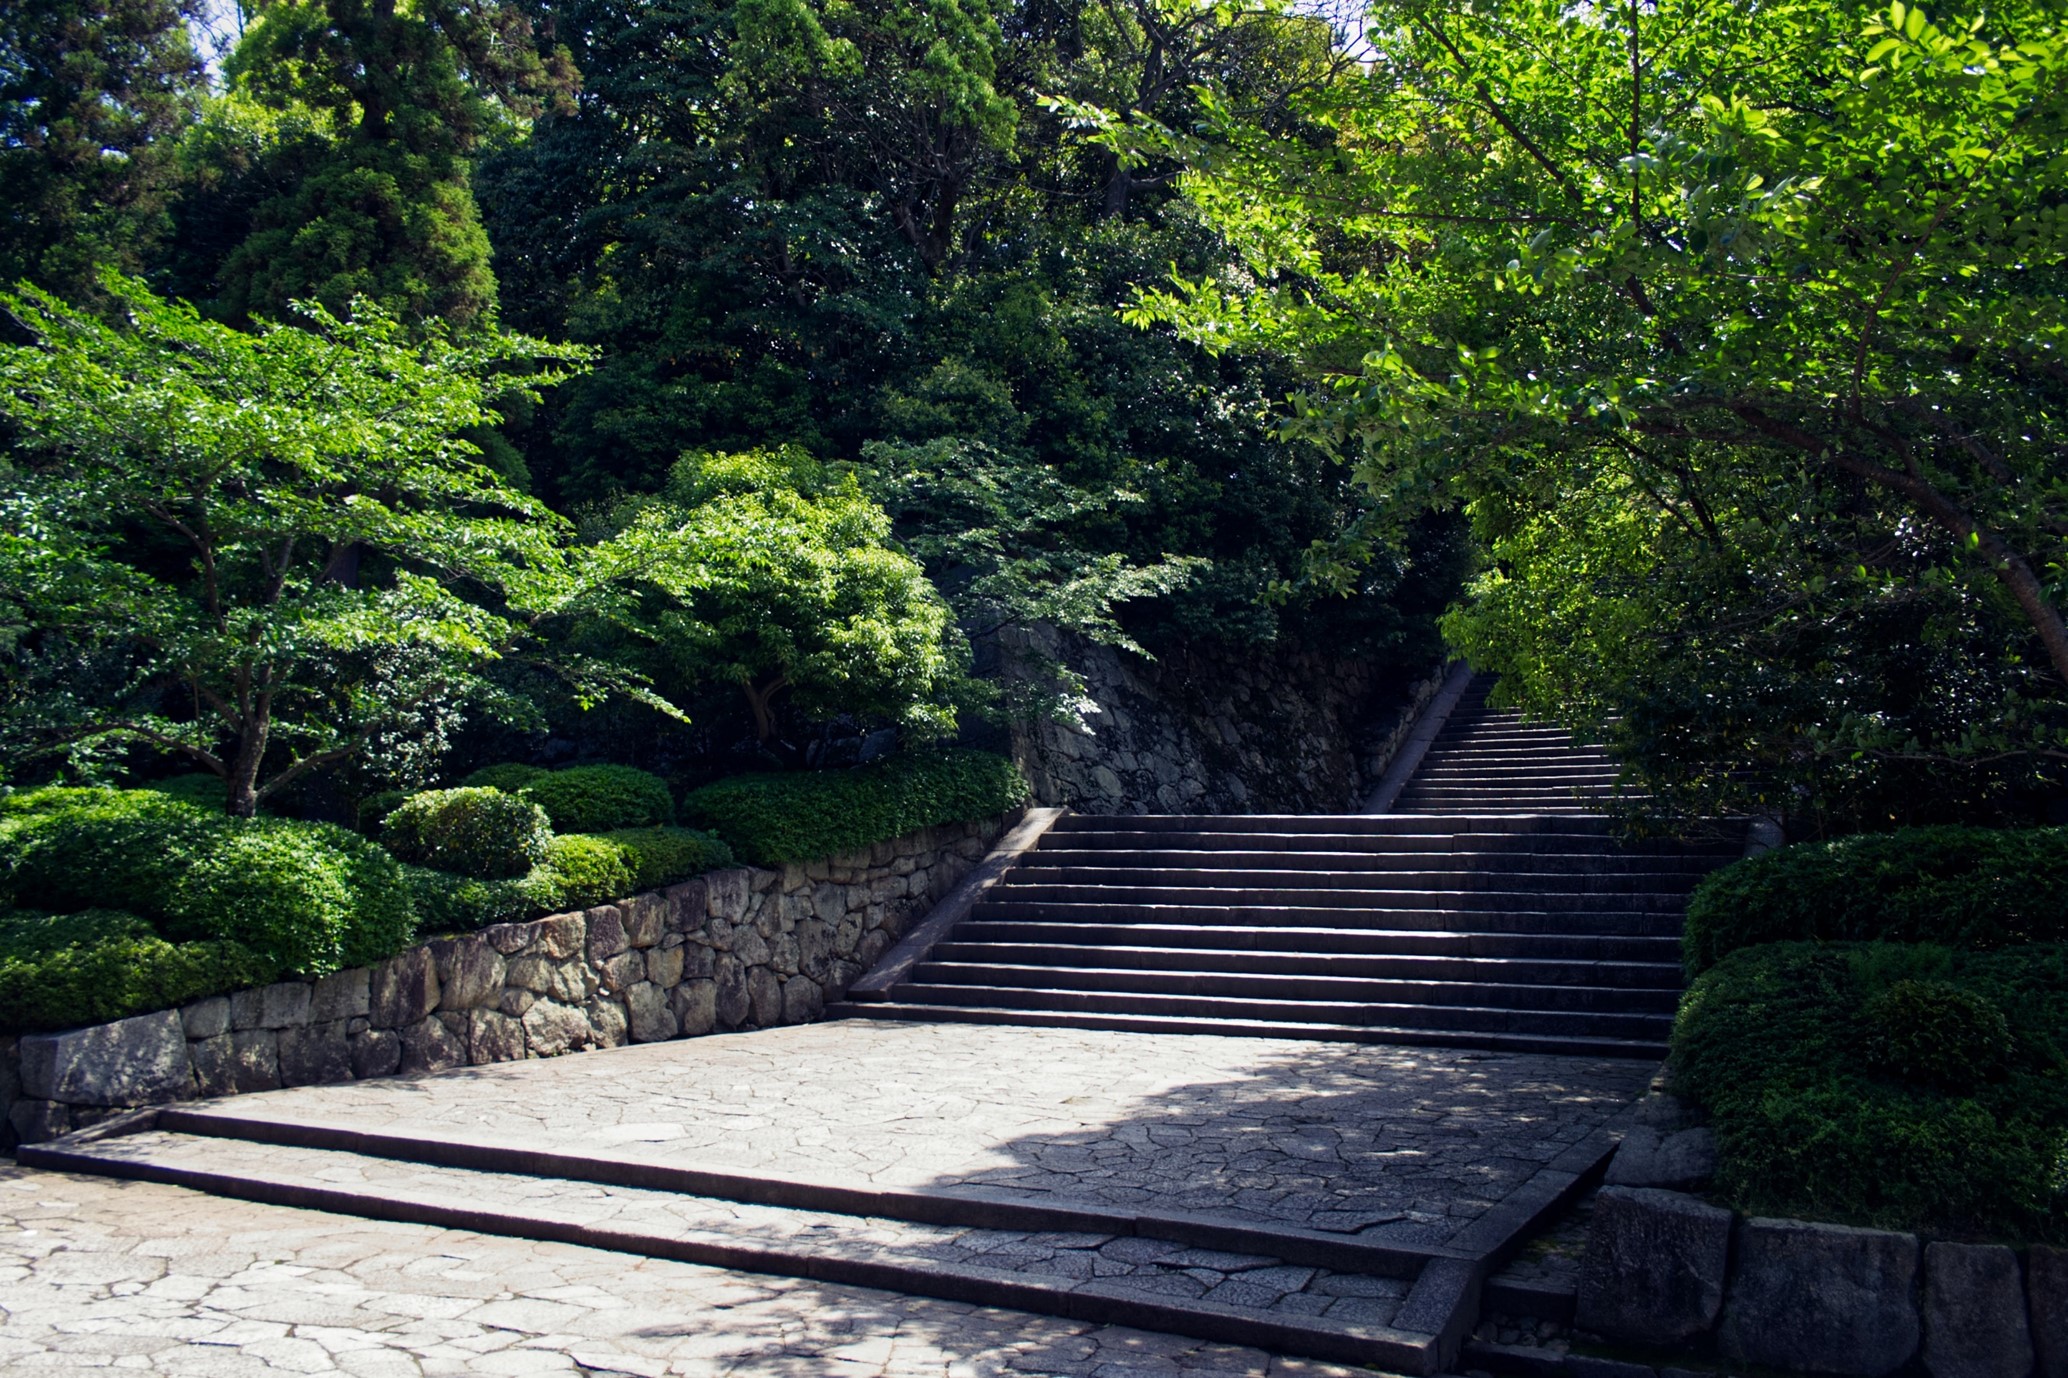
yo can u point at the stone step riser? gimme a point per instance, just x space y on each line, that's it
1211 988
1504 879
1297 825
1232 859
1349 942
1576 846
1366 899
1647 924
1510 970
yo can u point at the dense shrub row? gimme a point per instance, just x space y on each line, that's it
1906 1085
58 970
1966 887
773 819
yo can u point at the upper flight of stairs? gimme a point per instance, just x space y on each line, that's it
1488 760
1490 910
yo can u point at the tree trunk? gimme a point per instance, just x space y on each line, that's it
242 778
761 698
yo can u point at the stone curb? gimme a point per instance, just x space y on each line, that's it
1428 723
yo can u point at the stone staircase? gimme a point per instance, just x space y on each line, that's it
1492 911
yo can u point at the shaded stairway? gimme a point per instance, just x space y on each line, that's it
1491 911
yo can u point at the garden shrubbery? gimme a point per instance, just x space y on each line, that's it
1965 887
598 799
58 970
1906 1085
480 832
803 816
662 856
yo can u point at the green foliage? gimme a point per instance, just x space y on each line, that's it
202 791
1964 887
59 971
286 525
446 903
579 871
478 832
91 848
375 808
662 856
1761 302
805 816
508 776
597 799
1788 1047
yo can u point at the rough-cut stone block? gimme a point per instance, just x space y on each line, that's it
343 994
559 937
470 972
515 1002
404 989
688 905
564 980
664 966
1654 1269
509 939
625 969
783 953
733 1004
376 1053
2046 1301
493 1037
645 918
1665 1113
803 1001
606 933
828 901
751 948
695 1004
254 1060
284 1005
207 1018
429 1046
1652 1158
874 944
244 1008
138 1061
1974 1313
608 1027
765 997
315 1055
725 893
39 1121
214 1065
647 1010
551 1029
814 947
1829 1298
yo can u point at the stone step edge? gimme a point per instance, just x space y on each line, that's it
1093 1302
971 1208
1557 1045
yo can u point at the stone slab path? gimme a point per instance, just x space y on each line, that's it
1384 1144
99 1275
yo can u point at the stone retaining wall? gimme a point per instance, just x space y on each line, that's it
736 949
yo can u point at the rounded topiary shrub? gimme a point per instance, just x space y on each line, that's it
1933 1034
507 776
99 848
59 971
477 832
308 896
662 856
580 871
597 799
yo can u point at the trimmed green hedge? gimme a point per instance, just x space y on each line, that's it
1964 887
601 799
807 815
1902 1085
509 777
662 856
58 971
480 832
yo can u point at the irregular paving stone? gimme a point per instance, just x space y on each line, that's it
2046 1294
470 972
1654 1267
139 1061
207 1018
404 989
1649 1158
316 1055
1974 1313
1830 1298
343 994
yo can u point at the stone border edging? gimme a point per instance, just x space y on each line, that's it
1409 758
895 965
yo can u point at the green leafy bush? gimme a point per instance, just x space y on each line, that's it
508 776
480 832
202 791
59 971
373 810
446 903
310 896
1824 1108
579 870
66 849
1965 887
599 799
772 819
662 856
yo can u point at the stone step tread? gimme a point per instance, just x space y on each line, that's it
1589 998
1655 975
1312 1310
1339 897
1302 824
1563 1045
1520 864
1651 951
1471 880
1391 1014
1576 846
1661 922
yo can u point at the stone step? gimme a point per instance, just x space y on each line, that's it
1212 988
1232 858
1578 845
1106 1271
1508 879
1369 897
1634 1026
1250 911
1297 824
1261 940
1562 1045
1147 955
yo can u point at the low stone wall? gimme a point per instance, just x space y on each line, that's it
736 949
1666 1271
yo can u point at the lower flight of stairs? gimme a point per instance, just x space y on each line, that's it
1516 931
